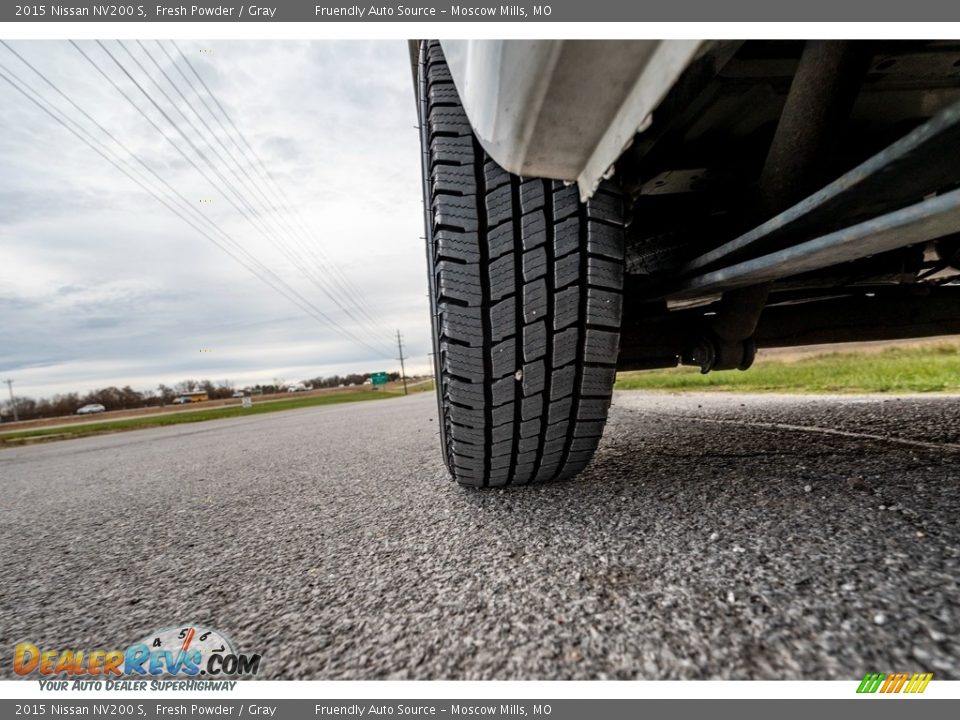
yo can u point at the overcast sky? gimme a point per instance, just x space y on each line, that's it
100 284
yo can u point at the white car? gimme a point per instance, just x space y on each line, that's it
91 409
603 205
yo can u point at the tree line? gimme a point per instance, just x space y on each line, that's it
126 398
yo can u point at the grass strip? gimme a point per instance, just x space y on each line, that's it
931 368
64 432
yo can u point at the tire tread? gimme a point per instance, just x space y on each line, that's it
528 282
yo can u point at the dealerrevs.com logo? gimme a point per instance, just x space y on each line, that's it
189 651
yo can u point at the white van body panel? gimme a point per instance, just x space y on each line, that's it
563 109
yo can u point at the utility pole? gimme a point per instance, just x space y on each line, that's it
403 373
13 400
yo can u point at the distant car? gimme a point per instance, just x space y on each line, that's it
182 401
238 394
91 409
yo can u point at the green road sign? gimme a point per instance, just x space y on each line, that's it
379 378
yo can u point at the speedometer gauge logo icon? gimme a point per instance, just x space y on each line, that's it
192 650
191 638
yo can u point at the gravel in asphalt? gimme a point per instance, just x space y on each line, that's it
712 537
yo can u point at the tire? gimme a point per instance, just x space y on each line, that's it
525 290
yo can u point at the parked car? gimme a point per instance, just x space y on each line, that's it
91 409
595 206
238 394
183 400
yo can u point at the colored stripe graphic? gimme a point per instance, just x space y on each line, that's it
870 682
894 682
918 683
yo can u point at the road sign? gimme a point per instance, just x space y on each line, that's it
379 378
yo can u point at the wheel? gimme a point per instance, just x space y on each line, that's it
525 291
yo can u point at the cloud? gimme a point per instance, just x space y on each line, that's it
101 284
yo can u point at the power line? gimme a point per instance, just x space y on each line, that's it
250 183
113 161
352 292
341 280
331 321
271 236
240 165
226 183
109 134
271 279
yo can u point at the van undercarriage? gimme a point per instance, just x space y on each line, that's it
792 193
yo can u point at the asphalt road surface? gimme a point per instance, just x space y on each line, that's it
714 536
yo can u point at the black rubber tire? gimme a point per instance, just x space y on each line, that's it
525 289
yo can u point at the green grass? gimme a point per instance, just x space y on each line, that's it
64 432
933 368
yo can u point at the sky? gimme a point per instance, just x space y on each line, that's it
101 284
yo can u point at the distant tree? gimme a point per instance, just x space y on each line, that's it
326 382
109 397
64 404
130 398
186 386
114 398
166 394
31 409
26 408
97 396
223 389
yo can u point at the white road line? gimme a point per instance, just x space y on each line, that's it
826 431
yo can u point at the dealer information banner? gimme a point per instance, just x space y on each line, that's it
445 11
495 709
